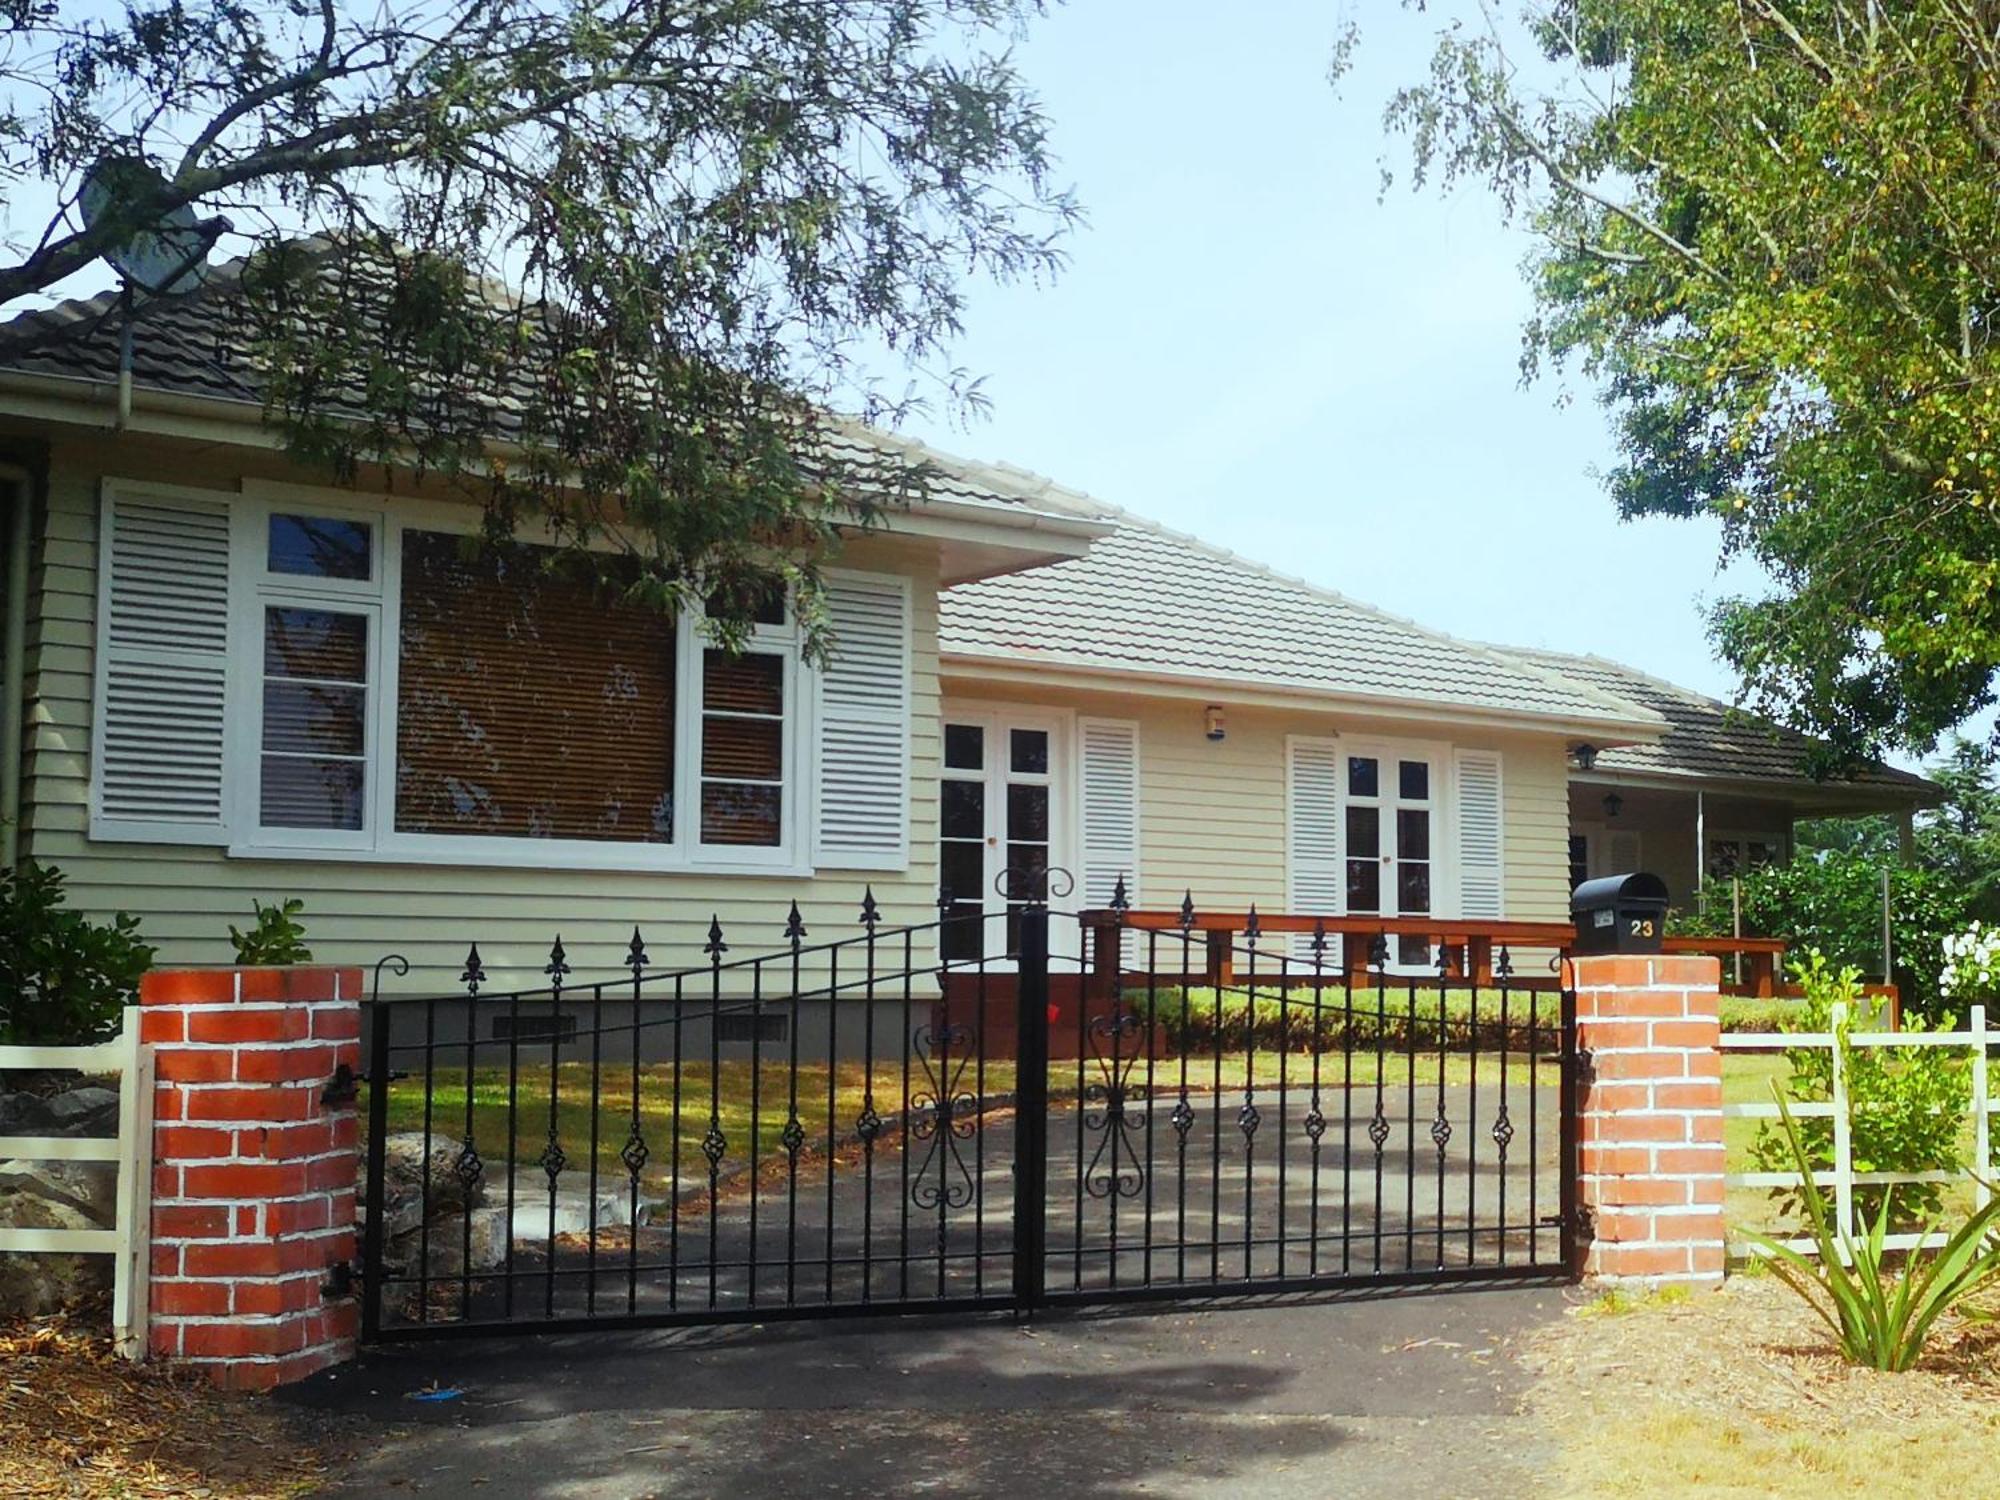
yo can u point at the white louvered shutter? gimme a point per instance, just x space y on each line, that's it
1110 780
160 728
1312 842
1481 876
863 762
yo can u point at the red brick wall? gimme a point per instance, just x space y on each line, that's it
1649 1131
253 1176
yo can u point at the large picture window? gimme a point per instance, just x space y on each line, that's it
506 702
528 705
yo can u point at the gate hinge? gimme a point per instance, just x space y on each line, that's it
1584 1065
343 1088
1583 1221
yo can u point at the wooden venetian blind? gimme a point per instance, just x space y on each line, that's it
529 705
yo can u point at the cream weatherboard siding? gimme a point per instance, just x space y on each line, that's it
1212 815
355 911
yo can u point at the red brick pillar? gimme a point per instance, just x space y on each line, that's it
1649 1129
253 1172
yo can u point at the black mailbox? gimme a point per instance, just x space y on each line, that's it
1619 914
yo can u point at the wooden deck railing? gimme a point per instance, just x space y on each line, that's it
1220 939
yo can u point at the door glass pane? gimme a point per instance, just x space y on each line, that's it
962 871
1027 868
1028 812
963 814
1414 778
1413 833
1413 888
1364 832
964 747
1364 885
1363 778
1029 751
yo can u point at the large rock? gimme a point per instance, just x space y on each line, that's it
447 1251
403 1182
88 1111
32 1286
87 1188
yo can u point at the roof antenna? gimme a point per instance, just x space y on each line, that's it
168 255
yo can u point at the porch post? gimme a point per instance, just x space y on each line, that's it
1700 841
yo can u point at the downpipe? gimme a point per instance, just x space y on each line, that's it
14 658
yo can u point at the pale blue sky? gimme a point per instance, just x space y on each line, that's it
1250 347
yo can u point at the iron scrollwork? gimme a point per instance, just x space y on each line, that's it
1116 1167
943 1112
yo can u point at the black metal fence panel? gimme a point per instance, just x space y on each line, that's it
980 1112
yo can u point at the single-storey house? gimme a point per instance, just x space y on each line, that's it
228 680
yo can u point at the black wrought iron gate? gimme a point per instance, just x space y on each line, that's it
1002 1109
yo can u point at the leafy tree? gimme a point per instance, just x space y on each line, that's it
604 262
1770 232
1959 839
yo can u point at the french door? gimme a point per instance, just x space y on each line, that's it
1002 820
1391 795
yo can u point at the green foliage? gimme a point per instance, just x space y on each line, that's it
63 978
1768 237
278 938
1832 903
1196 1019
1879 1322
1906 1105
602 264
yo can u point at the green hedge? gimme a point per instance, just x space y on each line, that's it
1192 1017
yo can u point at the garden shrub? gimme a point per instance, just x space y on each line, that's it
278 938
1831 902
1906 1105
63 978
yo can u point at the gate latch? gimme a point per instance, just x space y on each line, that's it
339 1281
342 1088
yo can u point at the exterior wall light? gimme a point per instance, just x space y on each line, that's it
1216 728
1586 756
1613 804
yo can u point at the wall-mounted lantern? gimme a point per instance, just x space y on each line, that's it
1216 728
1613 804
1586 756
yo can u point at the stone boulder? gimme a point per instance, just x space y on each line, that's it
32 1286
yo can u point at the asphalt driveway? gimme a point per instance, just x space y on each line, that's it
1411 1393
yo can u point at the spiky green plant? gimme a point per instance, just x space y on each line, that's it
1880 1321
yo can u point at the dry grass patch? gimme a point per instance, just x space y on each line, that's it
76 1420
1741 1393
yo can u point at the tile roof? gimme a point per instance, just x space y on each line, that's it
193 344
1150 601
1707 737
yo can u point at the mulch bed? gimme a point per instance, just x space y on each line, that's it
76 1420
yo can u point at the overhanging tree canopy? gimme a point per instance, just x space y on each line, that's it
1772 234
666 231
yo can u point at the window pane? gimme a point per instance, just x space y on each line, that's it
743 749
964 811
1028 812
735 814
747 684
764 604
1030 751
1364 885
1413 833
307 717
306 792
1362 779
529 705
319 547
1364 832
1414 777
1413 889
964 747
962 870
317 643
1414 952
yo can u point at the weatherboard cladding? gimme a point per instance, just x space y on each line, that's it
1704 736
1148 600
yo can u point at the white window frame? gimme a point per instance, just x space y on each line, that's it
379 840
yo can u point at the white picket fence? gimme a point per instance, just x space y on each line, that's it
1841 1177
132 1150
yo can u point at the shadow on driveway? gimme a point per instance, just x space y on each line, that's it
1331 1396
